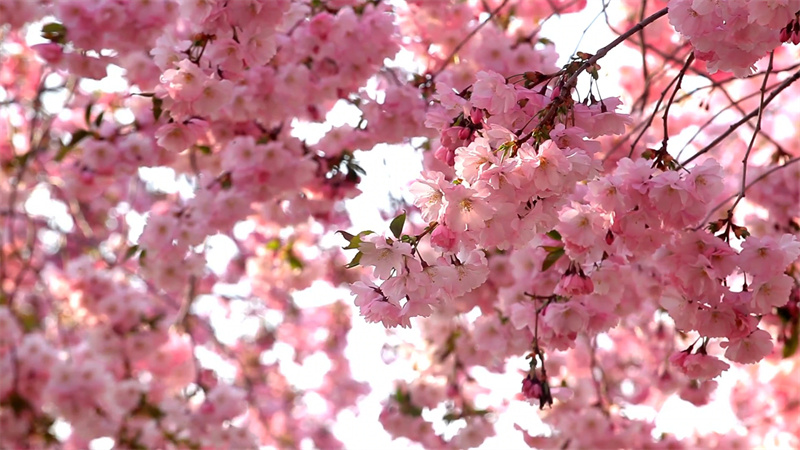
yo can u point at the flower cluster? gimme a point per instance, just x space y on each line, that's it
733 35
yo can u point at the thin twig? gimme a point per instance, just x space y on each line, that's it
749 185
788 82
466 39
746 157
566 90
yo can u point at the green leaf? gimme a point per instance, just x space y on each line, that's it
554 235
63 152
142 257
226 181
158 108
551 248
65 149
87 113
355 241
551 258
451 416
294 261
78 136
54 27
407 408
791 344
29 322
273 244
55 32
740 232
354 167
99 119
397 225
346 235
130 252
355 261
204 149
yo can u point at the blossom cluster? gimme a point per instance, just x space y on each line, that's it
557 240
732 35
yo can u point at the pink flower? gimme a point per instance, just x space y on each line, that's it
50 52
215 95
771 293
698 365
566 318
574 284
177 137
444 238
186 82
749 349
768 255
548 167
429 195
464 210
490 92
472 160
374 306
386 257
704 182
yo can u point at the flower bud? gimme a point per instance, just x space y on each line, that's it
476 115
786 33
50 52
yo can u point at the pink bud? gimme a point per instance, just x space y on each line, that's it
574 284
556 92
50 52
452 390
531 389
476 115
443 238
87 177
786 33
446 155
464 134
796 37
450 137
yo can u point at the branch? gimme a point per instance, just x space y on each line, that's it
566 90
761 106
749 185
788 82
620 39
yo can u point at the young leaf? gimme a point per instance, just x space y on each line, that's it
130 252
87 114
157 107
397 225
355 241
273 244
791 344
294 262
551 258
346 235
355 261
554 235
99 119
65 149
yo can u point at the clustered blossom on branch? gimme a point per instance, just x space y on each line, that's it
557 238
732 35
